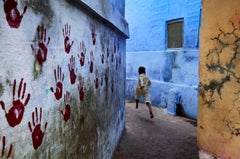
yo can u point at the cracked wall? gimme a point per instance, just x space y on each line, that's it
219 113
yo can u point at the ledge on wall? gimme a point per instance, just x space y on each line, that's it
106 12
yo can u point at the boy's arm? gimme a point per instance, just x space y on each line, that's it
149 82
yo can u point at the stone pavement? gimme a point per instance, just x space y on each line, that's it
163 137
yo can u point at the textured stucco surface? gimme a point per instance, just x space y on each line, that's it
218 121
72 68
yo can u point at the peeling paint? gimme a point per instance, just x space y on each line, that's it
169 65
37 69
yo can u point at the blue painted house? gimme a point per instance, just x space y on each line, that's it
164 37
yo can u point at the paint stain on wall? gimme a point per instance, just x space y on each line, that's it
81 88
4 153
72 70
169 64
12 13
40 48
15 114
91 62
1 89
67 110
94 35
59 78
102 57
96 79
43 8
66 34
37 69
82 54
35 128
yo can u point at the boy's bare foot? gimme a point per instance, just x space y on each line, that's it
151 115
137 104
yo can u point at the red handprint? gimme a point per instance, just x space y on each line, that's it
15 114
71 68
41 49
120 59
12 14
115 47
96 79
91 61
82 54
117 62
66 34
37 133
112 57
94 35
102 57
80 88
59 77
3 148
112 86
108 52
67 112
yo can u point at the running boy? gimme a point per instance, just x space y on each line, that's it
142 89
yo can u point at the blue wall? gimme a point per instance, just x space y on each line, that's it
174 72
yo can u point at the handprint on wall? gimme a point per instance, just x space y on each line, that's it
66 34
96 79
13 16
82 54
112 86
117 62
40 48
102 57
94 35
72 70
81 88
15 114
112 56
3 148
91 62
59 78
108 52
106 74
66 113
35 128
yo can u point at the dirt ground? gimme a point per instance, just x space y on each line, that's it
163 137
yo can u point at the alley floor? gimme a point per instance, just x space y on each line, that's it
163 137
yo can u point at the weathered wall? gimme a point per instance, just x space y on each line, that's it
174 72
61 75
218 118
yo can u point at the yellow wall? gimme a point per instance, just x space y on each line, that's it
219 71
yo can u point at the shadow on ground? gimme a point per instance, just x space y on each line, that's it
163 137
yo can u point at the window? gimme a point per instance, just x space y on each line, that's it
175 34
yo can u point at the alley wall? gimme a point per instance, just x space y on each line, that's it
62 77
173 71
219 115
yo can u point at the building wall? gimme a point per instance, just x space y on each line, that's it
61 75
218 121
174 72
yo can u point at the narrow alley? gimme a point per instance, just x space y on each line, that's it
163 137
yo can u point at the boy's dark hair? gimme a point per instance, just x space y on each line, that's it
141 70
